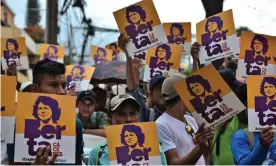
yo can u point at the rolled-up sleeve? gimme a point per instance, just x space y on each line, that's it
144 111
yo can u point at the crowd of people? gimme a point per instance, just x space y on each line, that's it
182 141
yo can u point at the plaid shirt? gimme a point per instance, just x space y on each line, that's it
98 120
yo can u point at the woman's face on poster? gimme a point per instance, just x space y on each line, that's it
130 138
161 53
134 17
44 111
51 50
101 54
269 89
212 26
76 71
11 46
197 88
175 31
258 46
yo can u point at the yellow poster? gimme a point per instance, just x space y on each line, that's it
217 36
52 52
179 33
162 60
14 53
208 97
99 54
45 120
132 144
8 93
256 56
261 102
78 77
141 24
115 50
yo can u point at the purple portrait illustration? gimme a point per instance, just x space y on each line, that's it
100 56
51 53
75 77
46 112
204 98
115 51
176 34
214 33
133 139
258 55
11 53
160 60
266 102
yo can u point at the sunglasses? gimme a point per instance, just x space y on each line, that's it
190 130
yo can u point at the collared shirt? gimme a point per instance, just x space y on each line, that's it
98 120
243 155
144 112
104 160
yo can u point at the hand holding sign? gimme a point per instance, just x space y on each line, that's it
266 137
195 51
42 157
203 136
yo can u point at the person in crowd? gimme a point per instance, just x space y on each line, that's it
100 99
123 109
183 141
92 122
222 153
49 77
250 148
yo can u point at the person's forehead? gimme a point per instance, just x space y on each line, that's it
57 78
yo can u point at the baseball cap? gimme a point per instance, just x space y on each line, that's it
87 95
167 88
155 80
25 85
230 78
119 99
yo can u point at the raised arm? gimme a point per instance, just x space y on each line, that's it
195 54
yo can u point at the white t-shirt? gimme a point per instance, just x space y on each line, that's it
173 135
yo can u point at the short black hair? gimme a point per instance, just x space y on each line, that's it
47 67
97 90
241 93
173 101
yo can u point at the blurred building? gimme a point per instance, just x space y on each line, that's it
9 29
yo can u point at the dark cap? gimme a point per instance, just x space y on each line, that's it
230 78
87 95
156 80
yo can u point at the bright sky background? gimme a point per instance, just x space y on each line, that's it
258 15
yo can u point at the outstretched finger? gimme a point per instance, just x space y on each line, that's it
201 127
53 159
39 155
44 158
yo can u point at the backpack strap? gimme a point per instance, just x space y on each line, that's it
151 115
100 153
250 136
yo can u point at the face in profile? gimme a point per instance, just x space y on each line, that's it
44 112
76 71
134 17
269 89
11 46
130 138
161 53
175 31
258 46
212 26
197 88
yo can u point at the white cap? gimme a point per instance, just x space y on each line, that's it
24 85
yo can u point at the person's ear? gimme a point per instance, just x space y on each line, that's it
34 88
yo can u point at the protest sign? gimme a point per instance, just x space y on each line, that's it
261 102
14 53
208 97
132 144
256 56
179 33
45 120
78 77
162 60
52 52
115 50
217 36
8 86
99 54
141 24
